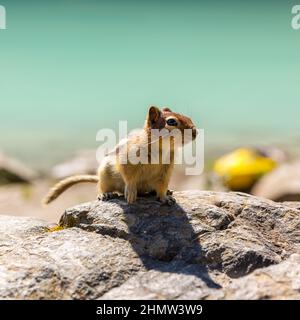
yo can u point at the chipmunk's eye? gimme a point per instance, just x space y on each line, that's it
172 122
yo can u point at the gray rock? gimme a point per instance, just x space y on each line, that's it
83 162
15 230
13 171
281 281
21 227
231 232
201 248
68 264
282 184
292 204
174 282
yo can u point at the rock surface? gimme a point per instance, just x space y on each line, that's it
209 245
67 264
231 232
281 281
185 282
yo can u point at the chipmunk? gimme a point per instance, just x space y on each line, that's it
116 176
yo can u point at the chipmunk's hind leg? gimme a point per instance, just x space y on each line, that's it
107 192
110 184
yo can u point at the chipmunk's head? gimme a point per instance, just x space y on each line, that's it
173 122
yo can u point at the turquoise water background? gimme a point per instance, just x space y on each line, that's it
69 68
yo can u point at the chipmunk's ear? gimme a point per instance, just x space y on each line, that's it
154 118
153 114
166 109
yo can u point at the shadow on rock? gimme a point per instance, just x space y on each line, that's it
161 235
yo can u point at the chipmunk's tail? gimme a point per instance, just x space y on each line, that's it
65 184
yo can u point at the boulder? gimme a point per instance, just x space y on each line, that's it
282 184
13 171
210 245
83 162
231 232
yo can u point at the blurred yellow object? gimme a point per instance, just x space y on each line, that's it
241 168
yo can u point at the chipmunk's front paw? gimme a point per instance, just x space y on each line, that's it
168 200
154 193
170 192
107 196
